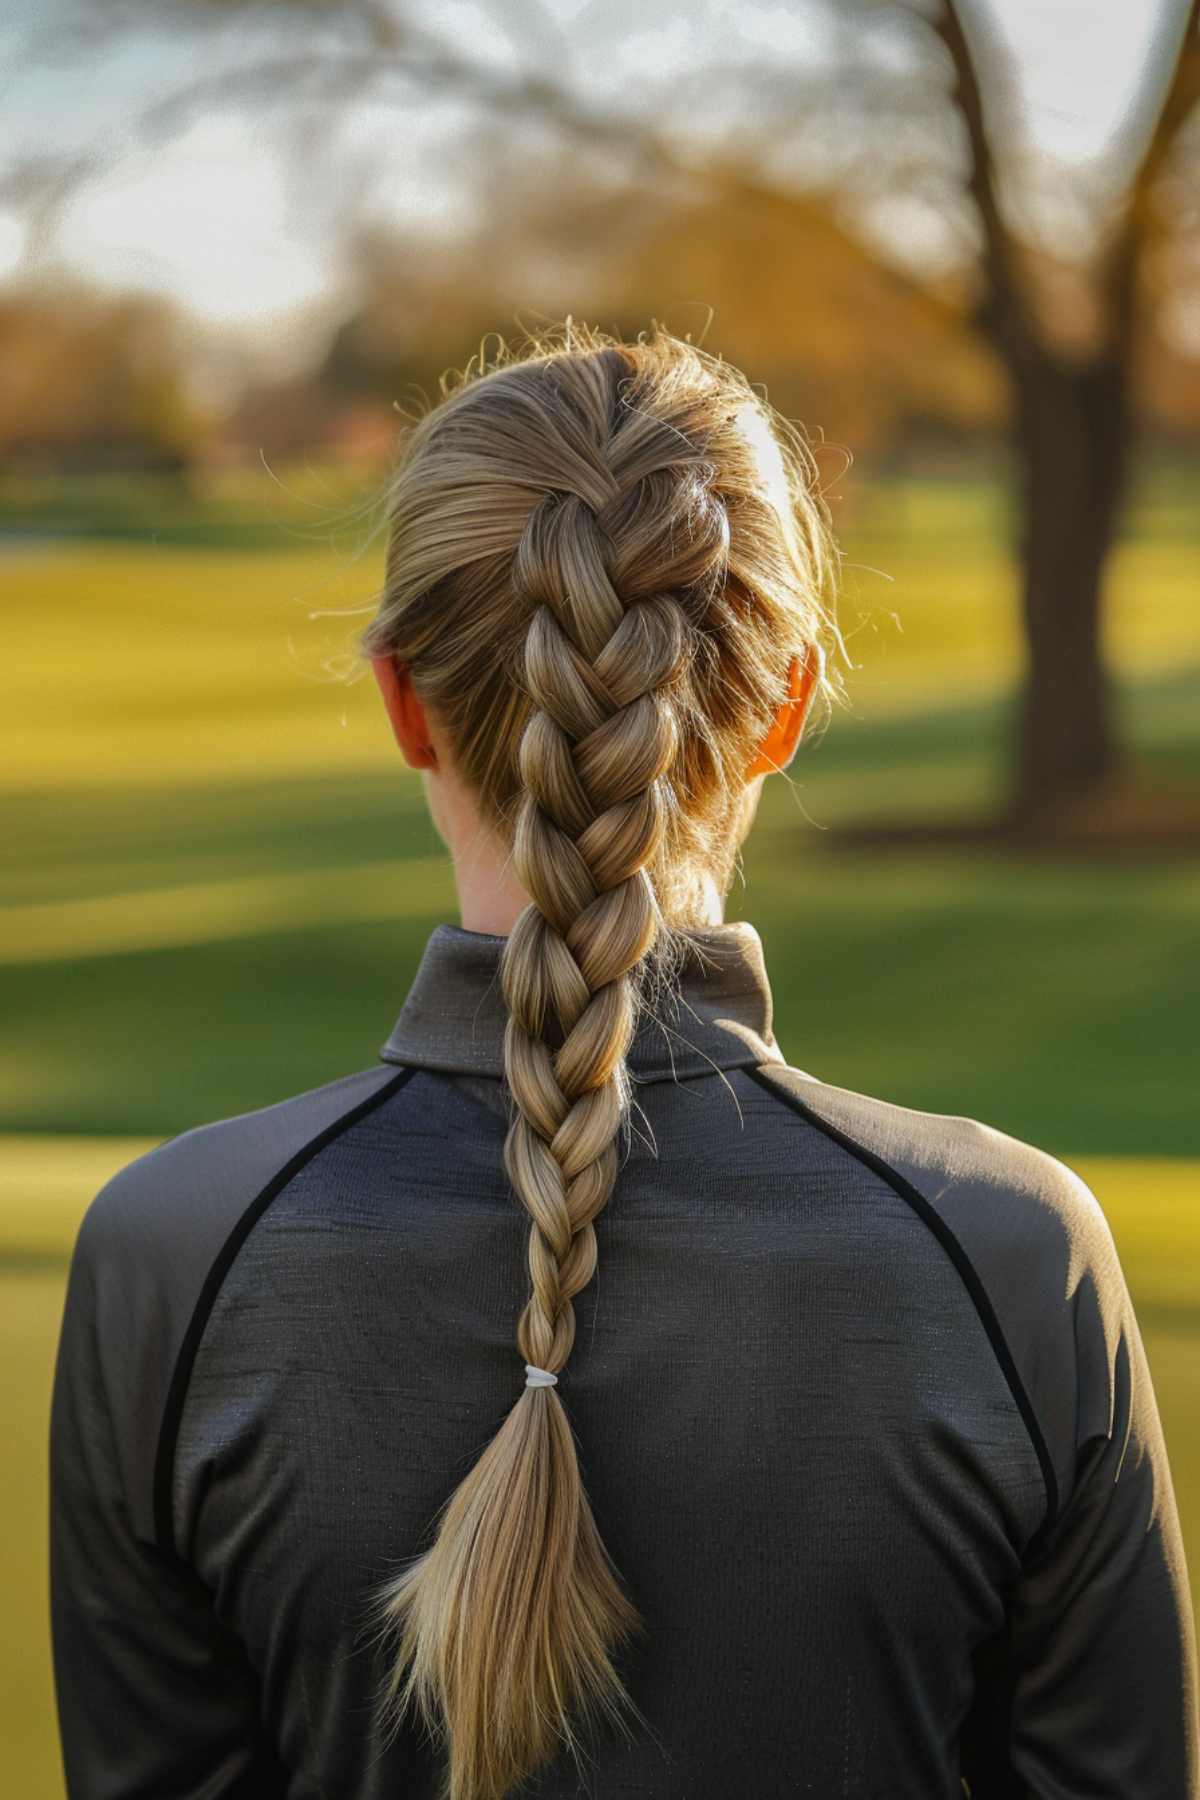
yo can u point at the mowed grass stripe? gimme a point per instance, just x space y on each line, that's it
207 912
139 662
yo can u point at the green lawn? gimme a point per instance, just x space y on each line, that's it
226 877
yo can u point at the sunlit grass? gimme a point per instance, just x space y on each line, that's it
137 662
207 912
205 816
174 667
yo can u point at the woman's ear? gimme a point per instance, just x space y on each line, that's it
404 709
779 745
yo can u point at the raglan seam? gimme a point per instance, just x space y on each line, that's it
972 1280
210 1288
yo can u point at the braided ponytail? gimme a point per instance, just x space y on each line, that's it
642 650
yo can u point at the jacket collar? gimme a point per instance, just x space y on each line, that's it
454 1015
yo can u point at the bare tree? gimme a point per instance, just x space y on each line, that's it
1073 423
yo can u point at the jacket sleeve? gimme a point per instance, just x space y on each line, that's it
1101 1645
154 1695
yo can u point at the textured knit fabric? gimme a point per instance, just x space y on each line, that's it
861 1403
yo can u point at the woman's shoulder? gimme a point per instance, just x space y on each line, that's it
191 1189
152 1250
967 1168
1027 1234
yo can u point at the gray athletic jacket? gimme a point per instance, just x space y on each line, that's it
861 1402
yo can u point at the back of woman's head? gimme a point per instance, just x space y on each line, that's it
605 560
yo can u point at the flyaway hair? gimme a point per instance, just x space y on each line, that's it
603 558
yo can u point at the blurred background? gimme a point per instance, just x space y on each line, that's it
241 243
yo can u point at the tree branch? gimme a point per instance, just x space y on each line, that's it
1004 312
1141 219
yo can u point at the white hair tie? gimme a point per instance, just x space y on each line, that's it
535 1377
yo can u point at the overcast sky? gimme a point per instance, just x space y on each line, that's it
209 219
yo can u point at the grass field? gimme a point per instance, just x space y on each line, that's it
225 878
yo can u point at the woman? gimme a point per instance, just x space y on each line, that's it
877 1501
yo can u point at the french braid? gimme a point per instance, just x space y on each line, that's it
610 673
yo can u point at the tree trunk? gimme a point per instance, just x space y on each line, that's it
1072 434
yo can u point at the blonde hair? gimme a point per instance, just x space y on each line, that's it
602 559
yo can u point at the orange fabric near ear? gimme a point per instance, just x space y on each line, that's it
780 742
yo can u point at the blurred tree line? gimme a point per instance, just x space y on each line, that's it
874 362
869 358
94 380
